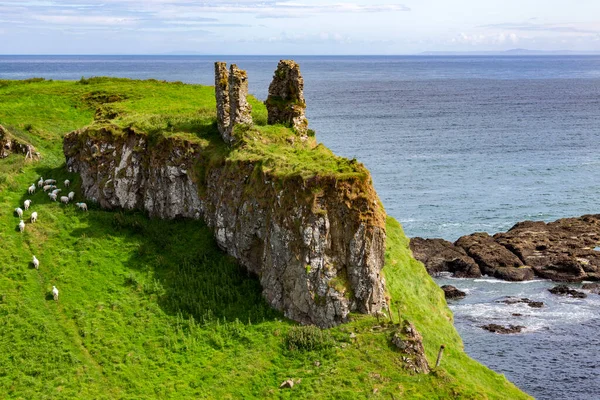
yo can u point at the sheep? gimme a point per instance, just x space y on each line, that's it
36 263
49 181
31 189
33 217
67 183
55 293
26 204
48 187
71 196
81 206
21 226
19 212
41 182
56 191
52 196
64 199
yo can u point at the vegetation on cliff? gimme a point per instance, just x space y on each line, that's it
152 308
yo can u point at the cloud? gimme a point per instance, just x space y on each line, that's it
531 27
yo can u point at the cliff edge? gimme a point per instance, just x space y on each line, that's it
308 223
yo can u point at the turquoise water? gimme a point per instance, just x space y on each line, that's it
455 145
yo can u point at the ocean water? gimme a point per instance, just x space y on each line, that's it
455 145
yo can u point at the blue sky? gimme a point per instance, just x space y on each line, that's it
295 27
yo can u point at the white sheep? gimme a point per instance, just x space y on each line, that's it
19 212
36 263
49 182
26 204
52 196
34 216
41 182
71 196
67 183
81 206
21 226
31 189
56 191
55 293
64 199
47 187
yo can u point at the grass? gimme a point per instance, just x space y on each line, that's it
153 309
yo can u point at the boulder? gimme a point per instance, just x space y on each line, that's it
516 300
451 292
564 290
495 328
439 255
493 258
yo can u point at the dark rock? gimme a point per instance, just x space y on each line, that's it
439 255
516 300
494 259
517 314
592 287
564 290
495 328
562 250
451 292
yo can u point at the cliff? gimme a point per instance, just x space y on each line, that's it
316 240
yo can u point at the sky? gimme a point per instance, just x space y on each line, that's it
295 27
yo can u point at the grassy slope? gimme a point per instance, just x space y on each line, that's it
152 308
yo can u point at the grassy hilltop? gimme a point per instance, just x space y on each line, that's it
153 309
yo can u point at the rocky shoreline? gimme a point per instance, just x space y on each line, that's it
565 250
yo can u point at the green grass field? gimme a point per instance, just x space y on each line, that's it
153 309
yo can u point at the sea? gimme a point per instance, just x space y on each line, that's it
455 145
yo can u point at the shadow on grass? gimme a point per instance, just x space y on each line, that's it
180 264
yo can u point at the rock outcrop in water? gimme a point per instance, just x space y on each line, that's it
317 245
285 104
563 250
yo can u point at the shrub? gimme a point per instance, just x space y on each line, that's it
308 338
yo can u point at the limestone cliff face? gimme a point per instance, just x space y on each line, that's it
317 245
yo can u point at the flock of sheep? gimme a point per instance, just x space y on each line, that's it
48 185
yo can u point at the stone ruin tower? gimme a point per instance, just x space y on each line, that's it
231 89
285 104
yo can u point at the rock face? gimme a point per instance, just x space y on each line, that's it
231 90
285 103
563 250
316 245
9 144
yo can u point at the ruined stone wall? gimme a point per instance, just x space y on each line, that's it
231 90
285 103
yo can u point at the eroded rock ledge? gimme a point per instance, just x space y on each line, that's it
9 144
317 244
563 250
